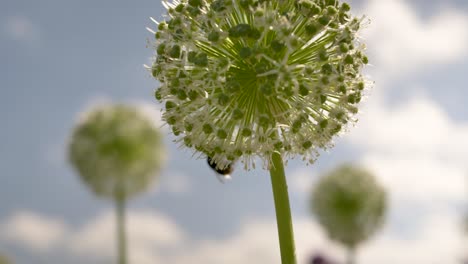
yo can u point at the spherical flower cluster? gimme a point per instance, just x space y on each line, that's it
349 204
243 78
116 150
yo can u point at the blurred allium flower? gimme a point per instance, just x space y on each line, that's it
244 78
116 150
319 259
349 204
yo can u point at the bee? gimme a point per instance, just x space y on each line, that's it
224 174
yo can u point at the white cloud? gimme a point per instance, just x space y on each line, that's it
302 180
401 42
174 182
416 149
438 240
418 126
154 238
21 28
35 231
418 178
256 242
148 233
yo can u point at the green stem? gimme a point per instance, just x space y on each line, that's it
351 255
121 237
283 210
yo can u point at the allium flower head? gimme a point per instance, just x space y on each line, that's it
349 204
116 150
243 78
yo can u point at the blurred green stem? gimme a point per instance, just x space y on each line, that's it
283 210
351 255
121 237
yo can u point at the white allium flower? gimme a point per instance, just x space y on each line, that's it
350 204
117 150
244 78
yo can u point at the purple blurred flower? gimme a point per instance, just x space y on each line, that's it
320 259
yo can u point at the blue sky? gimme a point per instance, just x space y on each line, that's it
57 58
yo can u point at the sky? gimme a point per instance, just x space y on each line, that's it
58 58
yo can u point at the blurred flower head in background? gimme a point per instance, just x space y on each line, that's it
320 259
117 150
349 204
246 78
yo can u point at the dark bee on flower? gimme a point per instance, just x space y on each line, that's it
223 174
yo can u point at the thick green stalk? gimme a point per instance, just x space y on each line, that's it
121 237
283 210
